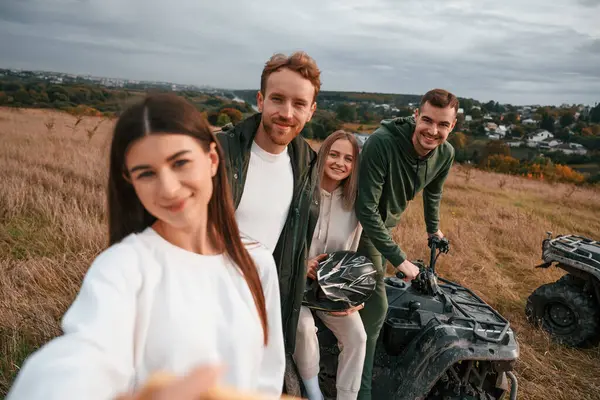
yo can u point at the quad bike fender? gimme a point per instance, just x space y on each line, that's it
440 347
569 264
572 266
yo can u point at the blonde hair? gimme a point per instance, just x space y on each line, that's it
350 184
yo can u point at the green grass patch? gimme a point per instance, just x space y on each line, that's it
18 347
29 236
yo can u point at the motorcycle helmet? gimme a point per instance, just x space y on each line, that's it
345 279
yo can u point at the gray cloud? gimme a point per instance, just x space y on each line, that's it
590 3
516 52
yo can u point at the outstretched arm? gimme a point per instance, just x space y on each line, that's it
93 359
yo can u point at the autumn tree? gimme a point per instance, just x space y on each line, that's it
493 147
502 163
223 119
234 115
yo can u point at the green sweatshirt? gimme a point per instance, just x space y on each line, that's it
391 173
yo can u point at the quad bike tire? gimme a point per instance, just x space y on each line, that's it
572 280
564 310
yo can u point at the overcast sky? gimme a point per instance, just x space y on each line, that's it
512 51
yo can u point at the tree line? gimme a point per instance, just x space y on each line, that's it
93 99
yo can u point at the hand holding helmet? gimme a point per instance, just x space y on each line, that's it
312 266
344 280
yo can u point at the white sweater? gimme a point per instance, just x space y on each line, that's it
147 305
337 229
267 196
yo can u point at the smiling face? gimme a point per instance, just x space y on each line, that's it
340 160
287 105
434 124
172 177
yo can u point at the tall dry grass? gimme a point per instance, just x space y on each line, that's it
52 210
52 206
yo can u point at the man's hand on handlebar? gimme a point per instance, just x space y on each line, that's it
408 270
439 234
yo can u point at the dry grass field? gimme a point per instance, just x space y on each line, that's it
52 205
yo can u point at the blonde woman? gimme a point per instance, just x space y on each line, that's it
337 229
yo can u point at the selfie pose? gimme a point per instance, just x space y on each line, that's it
176 290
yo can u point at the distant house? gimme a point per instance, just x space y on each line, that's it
468 118
551 142
490 126
571 148
460 111
513 143
501 130
536 138
529 121
539 135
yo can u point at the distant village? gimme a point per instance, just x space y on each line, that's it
525 131
516 126
540 138
64 78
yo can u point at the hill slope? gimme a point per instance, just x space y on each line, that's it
52 225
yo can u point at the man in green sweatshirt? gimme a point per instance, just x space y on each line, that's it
402 157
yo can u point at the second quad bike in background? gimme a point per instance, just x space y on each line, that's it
569 309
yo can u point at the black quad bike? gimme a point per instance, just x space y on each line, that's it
439 341
569 309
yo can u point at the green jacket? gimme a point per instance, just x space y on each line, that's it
391 174
292 248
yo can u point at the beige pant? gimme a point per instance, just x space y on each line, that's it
352 340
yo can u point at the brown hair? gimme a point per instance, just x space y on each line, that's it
299 62
350 184
168 113
440 98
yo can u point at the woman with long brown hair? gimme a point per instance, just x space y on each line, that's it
177 290
337 229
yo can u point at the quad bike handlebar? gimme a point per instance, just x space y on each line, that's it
435 243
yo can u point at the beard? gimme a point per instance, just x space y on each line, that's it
276 135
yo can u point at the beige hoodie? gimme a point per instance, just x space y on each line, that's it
337 229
